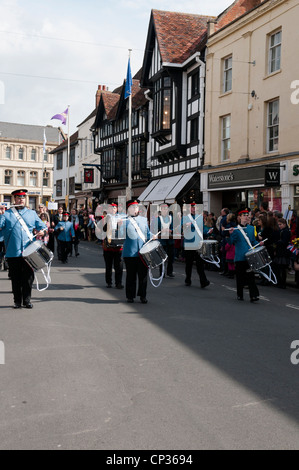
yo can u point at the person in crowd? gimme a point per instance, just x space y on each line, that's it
66 234
230 248
44 238
85 225
222 227
238 237
192 225
137 233
77 221
3 263
17 225
91 227
113 247
165 226
281 259
58 217
264 207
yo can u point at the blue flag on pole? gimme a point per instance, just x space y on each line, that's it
129 82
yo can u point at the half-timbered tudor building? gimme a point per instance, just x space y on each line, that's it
111 138
173 75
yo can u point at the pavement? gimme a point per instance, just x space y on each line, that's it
192 369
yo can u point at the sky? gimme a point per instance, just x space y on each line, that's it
55 54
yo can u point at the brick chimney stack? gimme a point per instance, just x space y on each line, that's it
100 90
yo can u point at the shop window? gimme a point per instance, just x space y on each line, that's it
273 126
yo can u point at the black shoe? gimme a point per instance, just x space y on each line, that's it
119 286
109 286
28 305
130 301
188 283
254 299
206 284
17 306
143 300
77 254
240 298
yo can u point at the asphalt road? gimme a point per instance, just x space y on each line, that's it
192 369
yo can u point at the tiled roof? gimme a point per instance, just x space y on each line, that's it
234 11
138 97
110 101
179 35
25 132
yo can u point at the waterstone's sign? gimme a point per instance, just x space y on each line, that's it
244 178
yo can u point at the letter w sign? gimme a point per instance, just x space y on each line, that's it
272 177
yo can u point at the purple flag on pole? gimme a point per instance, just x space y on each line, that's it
62 116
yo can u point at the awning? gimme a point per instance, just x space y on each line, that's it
165 189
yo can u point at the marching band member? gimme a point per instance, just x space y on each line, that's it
66 234
244 275
165 226
17 224
111 250
192 224
137 233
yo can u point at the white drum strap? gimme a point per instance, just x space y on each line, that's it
137 228
193 221
46 277
245 236
23 223
160 279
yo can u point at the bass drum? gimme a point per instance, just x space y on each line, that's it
153 254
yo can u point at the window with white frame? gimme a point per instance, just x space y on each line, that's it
8 153
33 178
225 138
272 125
274 52
227 74
8 177
33 155
21 178
21 153
46 179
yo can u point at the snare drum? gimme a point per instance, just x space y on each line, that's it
208 248
153 254
37 255
258 258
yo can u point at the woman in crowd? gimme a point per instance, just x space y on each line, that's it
282 254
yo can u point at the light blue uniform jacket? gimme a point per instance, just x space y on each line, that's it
15 237
241 244
191 236
133 242
67 234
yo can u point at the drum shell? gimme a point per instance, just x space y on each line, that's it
209 248
258 258
37 255
153 254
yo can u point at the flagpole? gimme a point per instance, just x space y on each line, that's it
129 192
68 158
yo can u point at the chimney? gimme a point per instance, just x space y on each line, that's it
211 27
100 89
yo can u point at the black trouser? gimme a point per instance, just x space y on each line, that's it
75 243
190 257
169 250
65 250
135 268
244 278
113 259
22 277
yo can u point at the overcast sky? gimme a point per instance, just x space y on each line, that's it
54 54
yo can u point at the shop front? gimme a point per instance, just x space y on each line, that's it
294 184
243 187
